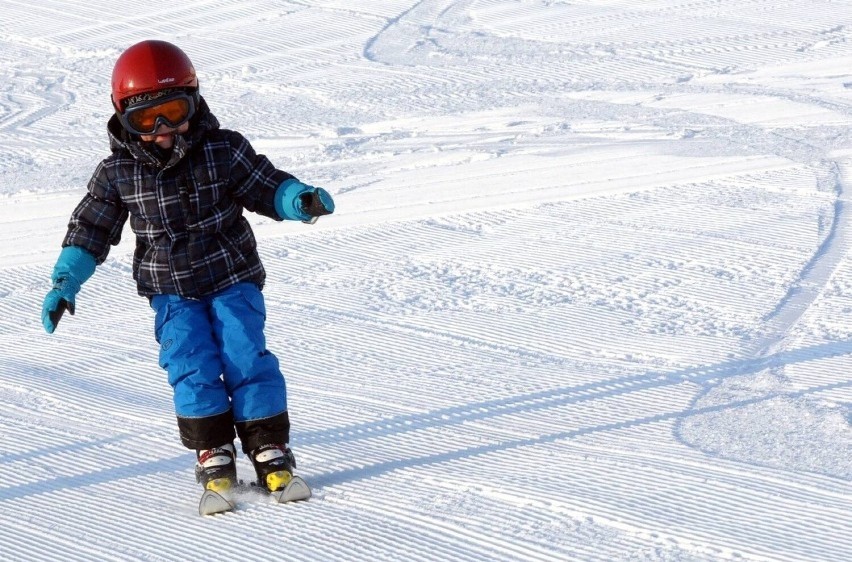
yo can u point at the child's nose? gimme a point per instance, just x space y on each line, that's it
164 129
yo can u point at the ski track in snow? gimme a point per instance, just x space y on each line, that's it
587 295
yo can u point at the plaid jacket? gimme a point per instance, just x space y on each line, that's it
187 213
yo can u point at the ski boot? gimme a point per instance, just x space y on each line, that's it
216 469
274 465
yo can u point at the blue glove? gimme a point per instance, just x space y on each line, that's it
74 266
295 200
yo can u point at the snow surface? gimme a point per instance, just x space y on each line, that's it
587 295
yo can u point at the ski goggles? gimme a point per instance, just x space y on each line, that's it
146 117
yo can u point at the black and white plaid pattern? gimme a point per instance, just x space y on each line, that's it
191 237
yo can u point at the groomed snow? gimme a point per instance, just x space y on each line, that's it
587 294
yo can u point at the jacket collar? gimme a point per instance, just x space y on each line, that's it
143 152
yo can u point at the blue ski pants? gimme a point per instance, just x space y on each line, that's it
214 351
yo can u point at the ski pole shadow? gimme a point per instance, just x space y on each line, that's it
457 415
378 469
553 398
58 484
57 440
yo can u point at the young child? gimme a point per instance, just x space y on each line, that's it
184 183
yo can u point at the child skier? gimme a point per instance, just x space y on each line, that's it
184 183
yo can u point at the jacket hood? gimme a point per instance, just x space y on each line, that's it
201 123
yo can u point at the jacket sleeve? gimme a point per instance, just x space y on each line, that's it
254 179
97 221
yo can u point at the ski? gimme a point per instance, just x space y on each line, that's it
212 503
296 490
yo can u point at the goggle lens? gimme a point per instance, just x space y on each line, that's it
146 119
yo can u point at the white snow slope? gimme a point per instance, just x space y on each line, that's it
587 294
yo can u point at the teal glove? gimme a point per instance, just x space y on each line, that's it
295 200
74 266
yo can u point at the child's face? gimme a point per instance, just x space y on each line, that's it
164 136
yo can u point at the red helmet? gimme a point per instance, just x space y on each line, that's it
150 66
